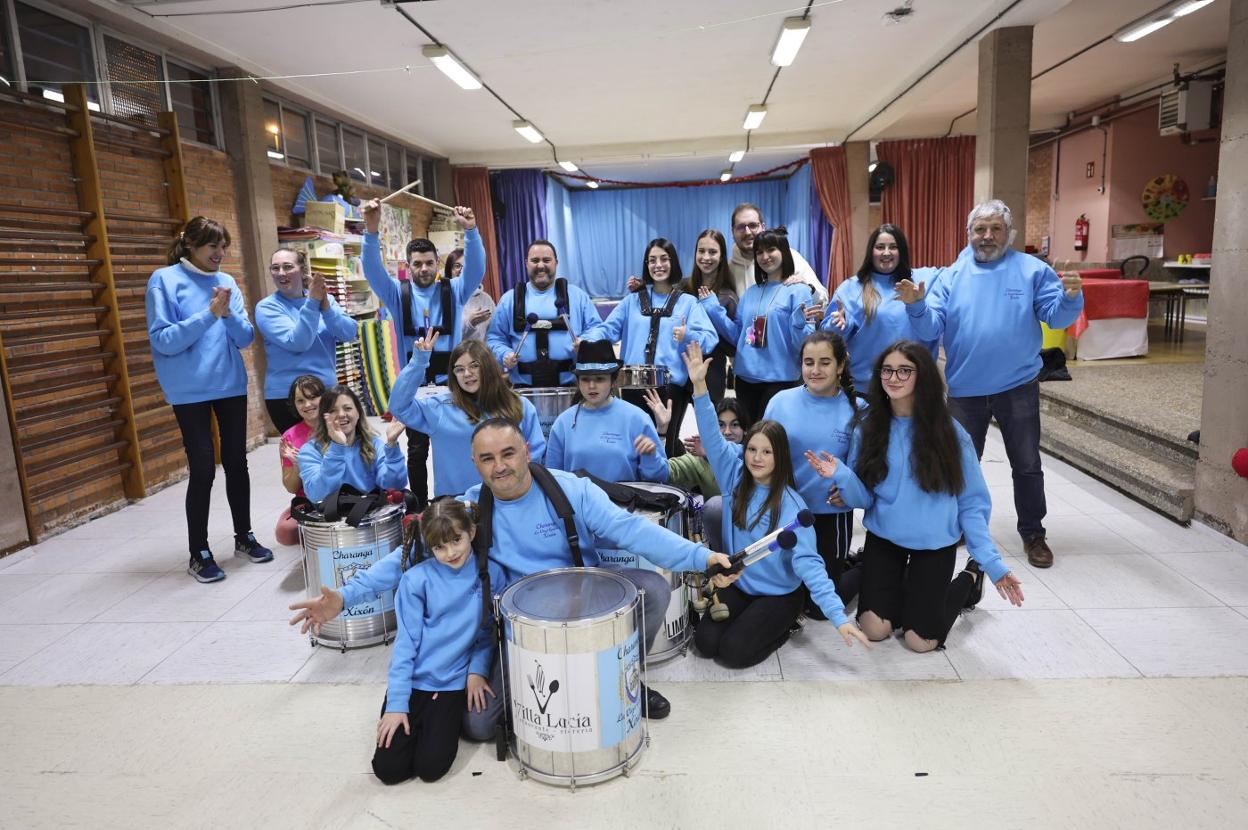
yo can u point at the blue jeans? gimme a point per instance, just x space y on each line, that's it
1017 412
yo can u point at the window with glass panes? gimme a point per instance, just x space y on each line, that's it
135 78
191 97
328 156
354 156
55 52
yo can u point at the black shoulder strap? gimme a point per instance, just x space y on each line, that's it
484 539
519 315
405 292
448 309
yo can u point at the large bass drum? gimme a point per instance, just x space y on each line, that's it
550 402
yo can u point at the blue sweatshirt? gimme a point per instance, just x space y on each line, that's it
502 338
441 638
425 300
630 329
299 340
866 339
989 314
784 570
448 428
786 326
529 537
196 354
898 510
600 441
324 472
814 423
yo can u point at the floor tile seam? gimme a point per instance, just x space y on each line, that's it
18 664
139 681
1111 646
1188 578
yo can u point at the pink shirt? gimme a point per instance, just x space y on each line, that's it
296 436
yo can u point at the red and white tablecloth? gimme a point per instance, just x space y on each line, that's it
1108 299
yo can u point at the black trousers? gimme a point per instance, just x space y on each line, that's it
912 588
280 414
195 421
418 465
756 626
717 373
680 397
754 397
430 750
833 533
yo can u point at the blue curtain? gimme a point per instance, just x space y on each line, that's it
600 234
520 217
821 231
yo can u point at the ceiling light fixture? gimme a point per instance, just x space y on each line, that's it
754 117
1191 6
792 34
1149 23
725 175
442 58
527 130
736 156
871 166
592 185
569 166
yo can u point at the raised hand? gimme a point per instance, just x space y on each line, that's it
634 284
678 332
425 344
465 218
288 451
393 430
372 215
693 446
838 316
1010 589
824 463
317 290
909 293
643 445
662 411
1072 282
335 432
813 313
697 365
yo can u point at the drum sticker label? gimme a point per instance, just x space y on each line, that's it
339 565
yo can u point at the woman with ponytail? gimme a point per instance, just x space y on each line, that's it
862 309
819 417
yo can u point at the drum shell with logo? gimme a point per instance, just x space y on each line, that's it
332 553
550 402
573 674
673 638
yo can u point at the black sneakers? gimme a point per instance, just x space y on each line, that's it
657 706
977 589
253 550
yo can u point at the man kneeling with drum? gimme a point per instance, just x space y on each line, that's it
526 528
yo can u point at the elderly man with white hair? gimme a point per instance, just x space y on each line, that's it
988 306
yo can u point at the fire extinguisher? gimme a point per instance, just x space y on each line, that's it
1081 233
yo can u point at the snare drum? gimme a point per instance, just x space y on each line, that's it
332 554
643 376
573 674
550 402
673 638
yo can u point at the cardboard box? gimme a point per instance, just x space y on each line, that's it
327 215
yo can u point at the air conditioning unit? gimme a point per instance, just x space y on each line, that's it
1186 109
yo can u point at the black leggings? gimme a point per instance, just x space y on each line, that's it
754 397
195 421
280 414
756 626
680 397
418 465
912 588
833 533
430 750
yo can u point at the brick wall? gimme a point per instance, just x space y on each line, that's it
1039 194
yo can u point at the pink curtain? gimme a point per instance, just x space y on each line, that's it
472 189
931 194
831 178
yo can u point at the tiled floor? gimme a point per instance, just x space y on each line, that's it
1132 596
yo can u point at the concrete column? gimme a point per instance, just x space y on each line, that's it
857 157
242 125
1221 495
13 530
1003 121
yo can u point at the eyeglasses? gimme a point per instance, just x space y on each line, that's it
903 373
283 268
751 227
470 369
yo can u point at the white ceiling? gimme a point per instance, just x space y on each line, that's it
657 89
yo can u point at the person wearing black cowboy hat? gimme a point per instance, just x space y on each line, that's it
607 437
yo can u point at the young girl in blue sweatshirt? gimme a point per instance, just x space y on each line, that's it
653 324
770 322
478 391
442 652
863 309
345 451
914 471
759 497
197 324
603 435
819 416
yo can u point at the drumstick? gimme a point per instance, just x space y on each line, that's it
403 189
563 315
784 540
418 197
804 519
529 321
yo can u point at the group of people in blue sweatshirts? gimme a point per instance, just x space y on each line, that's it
839 406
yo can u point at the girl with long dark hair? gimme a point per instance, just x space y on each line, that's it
477 391
712 276
771 320
345 451
913 470
759 496
862 308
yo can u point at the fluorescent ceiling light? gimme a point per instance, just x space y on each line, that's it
442 58
592 185
1134 32
871 166
5 81
1191 6
754 117
569 166
273 154
736 156
792 33
725 175
527 130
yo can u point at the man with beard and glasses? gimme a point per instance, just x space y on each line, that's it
747 224
562 312
988 306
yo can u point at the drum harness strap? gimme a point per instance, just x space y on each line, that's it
656 316
543 371
439 362
484 539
